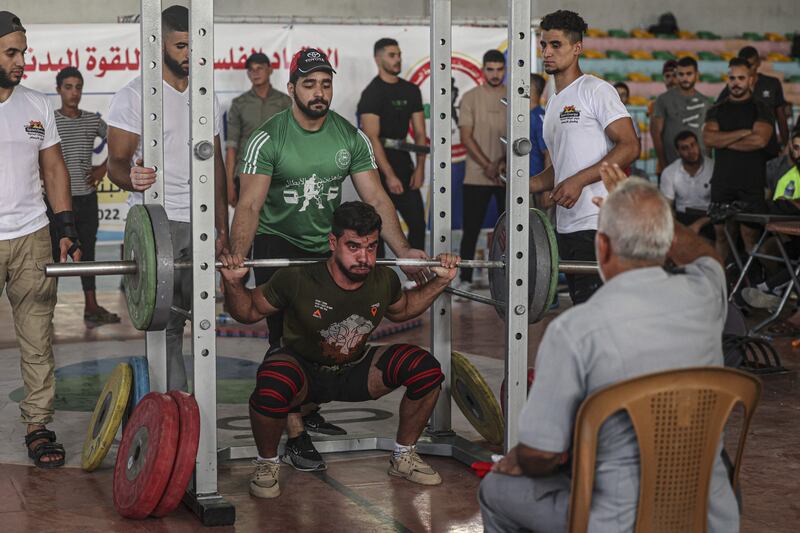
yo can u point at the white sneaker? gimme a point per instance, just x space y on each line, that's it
410 466
264 481
759 299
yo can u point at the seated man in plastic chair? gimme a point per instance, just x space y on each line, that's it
330 308
642 320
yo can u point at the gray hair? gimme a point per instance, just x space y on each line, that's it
637 221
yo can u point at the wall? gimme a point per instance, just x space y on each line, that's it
725 17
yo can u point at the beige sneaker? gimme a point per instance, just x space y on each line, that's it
410 466
264 483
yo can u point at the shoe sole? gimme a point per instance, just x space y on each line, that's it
288 460
395 473
265 492
327 429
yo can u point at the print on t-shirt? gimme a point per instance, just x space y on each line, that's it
341 339
314 190
35 130
569 115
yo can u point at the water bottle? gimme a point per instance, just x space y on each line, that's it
789 191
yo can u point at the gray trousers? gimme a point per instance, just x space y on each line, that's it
521 503
181 233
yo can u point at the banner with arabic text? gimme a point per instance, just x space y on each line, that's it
108 56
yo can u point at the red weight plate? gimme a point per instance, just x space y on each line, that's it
185 459
503 389
146 455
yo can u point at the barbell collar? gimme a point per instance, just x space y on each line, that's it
578 267
90 268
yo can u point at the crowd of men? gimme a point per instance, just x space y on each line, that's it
287 199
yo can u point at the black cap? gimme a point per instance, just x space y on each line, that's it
9 23
307 61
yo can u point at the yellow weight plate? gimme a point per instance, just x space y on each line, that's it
475 399
107 417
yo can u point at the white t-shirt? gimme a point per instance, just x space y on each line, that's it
125 113
574 132
689 192
27 126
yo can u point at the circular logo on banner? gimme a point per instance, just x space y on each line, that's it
343 159
466 74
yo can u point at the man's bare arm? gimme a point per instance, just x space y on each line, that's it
414 302
122 145
220 195
254 189
472 147
783 124
247 306
756 140
371 126
656 132
687 247
420 139
714 138
369 189
544 180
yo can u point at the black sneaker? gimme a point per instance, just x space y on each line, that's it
316 422
301 454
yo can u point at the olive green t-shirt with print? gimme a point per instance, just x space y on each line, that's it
324 323
307 170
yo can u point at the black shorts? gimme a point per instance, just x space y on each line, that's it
751 198
343 384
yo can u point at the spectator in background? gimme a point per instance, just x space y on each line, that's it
785 201
678 109
625 95
739 128
686 183
670 74
482 122
585 125
78 130
770 90
388 105
248 111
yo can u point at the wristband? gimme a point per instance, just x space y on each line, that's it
65 228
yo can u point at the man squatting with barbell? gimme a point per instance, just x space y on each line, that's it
292 175
329 311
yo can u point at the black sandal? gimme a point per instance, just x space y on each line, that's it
51 448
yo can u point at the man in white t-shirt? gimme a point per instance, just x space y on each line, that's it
585 124
686 183
125 170
30 154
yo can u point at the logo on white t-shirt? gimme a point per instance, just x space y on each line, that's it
343 159
569 115
35 130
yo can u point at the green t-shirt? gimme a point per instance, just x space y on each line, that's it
324 323
307 169
792 180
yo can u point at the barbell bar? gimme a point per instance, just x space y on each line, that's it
148 268
123 268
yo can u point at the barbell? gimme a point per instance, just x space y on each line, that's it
148 267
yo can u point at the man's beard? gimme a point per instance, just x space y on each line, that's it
494 83
392 69
686 86
312 113
5 80
174 66
352 276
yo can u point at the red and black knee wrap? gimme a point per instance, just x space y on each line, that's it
277 384
412 366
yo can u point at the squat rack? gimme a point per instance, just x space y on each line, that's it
203 496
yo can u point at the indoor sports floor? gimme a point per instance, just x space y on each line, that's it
354 494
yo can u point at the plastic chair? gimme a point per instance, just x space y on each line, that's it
678 417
